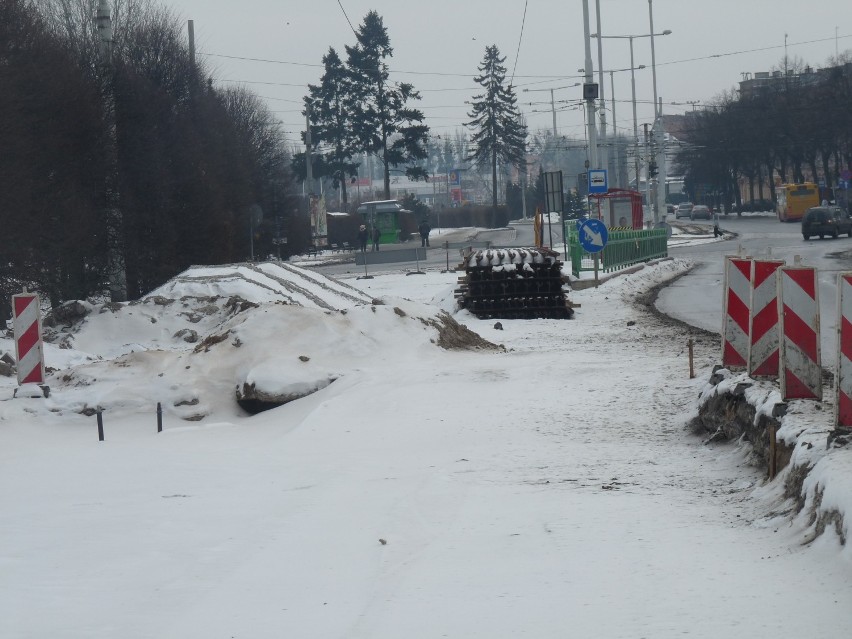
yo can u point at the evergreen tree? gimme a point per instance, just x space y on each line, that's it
383 123
499 133
332 111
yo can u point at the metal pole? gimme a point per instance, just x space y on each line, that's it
603 150
191 32
100 424
553 109
661 165
590 102
647 167
635 123
616 165
309 163
653 58
159 417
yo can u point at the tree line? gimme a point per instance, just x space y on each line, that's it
185 162
356 109
794 128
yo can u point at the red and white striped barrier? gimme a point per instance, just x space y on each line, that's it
798 303
735 331
843 403
764 336
26 314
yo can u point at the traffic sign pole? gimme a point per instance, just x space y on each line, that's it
593 236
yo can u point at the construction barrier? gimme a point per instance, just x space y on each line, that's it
737 315
26 315
764 336
800 363
843 385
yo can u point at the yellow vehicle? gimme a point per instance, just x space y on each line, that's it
794 200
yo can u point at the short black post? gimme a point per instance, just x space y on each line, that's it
159 417
100 424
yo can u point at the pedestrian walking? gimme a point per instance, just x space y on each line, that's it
716 231
362 238
377 234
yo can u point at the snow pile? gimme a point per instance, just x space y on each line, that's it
815 485
425 492
216 333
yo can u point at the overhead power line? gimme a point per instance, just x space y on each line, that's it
520 38
346 16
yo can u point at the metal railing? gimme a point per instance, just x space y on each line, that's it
623 249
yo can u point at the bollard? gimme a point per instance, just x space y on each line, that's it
691 367
365 276
100 425
159 417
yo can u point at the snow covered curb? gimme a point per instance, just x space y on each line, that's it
810 468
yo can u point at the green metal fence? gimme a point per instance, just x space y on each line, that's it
623 249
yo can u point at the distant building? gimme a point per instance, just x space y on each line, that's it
752 85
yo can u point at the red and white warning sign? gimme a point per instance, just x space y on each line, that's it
26 315
843 403
764 336
798 304
735 331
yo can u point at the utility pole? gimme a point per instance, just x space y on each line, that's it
635 129
190 26
113 218
604 164
588 94
653 56
553 110
660 210
647 168
616 163
309 163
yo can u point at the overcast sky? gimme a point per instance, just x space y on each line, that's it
438 45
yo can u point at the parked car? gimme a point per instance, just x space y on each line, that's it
683 209
826 220
700 211
670 209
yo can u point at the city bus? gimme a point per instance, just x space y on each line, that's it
794 200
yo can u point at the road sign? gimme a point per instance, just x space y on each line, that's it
593 235
597 181
553 191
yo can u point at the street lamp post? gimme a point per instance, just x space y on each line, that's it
630 38
590 99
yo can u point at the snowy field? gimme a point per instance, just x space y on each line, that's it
544 489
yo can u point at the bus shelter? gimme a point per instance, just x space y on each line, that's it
619 209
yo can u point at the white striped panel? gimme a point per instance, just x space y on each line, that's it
764 347
29 362
764 295
803 367
846 298
26 319
845 376
739 283
798 301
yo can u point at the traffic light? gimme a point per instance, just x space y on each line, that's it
652 169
